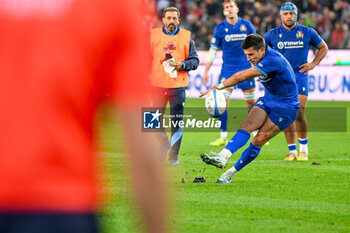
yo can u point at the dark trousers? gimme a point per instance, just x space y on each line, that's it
176 98
48 223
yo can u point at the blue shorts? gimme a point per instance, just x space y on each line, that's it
227 72
302 83
282 116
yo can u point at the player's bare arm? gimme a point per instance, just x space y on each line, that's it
235 79
210 60
320 54
241 76
205 75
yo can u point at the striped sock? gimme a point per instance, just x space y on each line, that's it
292 148
303 144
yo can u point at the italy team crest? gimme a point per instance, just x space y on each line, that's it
260 102
300 34
243 28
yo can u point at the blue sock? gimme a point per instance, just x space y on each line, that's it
223 118
292 147
247 156
303 141
238 140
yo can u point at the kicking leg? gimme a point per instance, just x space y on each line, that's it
267 131
255 120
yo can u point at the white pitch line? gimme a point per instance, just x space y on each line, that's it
312 160
261 161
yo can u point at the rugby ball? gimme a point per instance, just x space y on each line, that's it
215 103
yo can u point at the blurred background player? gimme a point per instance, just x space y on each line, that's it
174 54
293 41
58 59
271 114
229 35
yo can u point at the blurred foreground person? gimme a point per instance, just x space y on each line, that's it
58 59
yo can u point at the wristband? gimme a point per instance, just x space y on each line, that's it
220 86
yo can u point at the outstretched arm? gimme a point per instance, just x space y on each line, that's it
235 79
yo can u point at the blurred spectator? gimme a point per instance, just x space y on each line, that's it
256 22
182 6
162 4
327 33
346 11
196 10
213 8
337 36
202 39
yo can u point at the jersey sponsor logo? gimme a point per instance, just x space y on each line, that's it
280 45
235 37
243 28
300 34
169 46
213 40
290 44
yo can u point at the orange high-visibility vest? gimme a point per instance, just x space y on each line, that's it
178 47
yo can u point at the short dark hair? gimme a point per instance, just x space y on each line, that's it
228 1
253 40
171 9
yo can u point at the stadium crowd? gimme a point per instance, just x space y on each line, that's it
331 19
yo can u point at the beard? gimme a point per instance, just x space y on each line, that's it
289 24
171 27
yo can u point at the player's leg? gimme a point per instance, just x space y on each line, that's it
290 134
177 103
249 97
223 119
266 132
300 124
256 118
278 119
301 128
160 97
248 89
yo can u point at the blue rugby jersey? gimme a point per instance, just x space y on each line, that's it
294 44
278 79
230 37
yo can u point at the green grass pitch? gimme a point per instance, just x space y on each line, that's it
269 195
